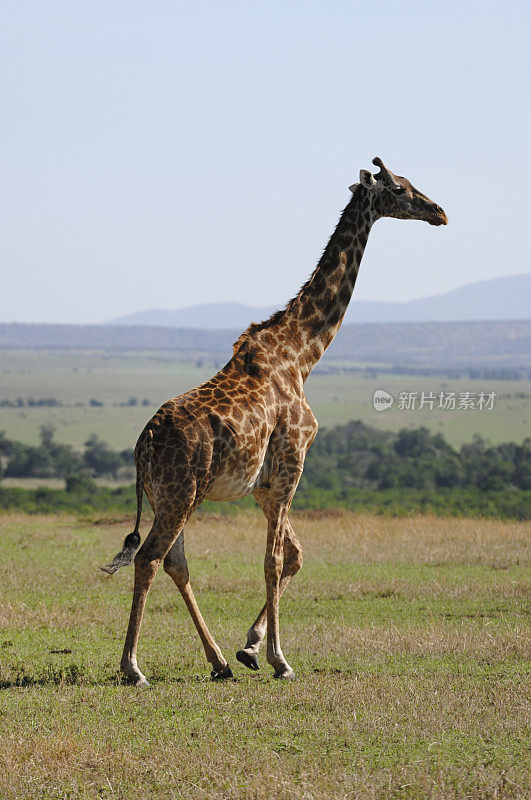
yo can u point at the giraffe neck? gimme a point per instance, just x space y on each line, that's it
312 319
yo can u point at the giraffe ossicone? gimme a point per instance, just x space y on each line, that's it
247 431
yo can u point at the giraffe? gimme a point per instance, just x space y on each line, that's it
247 431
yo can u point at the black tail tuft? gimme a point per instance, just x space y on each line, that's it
143 452
126 554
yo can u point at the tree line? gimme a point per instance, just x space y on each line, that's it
358 456
345 457
52 459
53 402
350 466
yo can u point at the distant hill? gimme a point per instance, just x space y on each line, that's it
494 344
497 299
212 315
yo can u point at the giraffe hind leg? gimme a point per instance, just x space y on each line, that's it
166 528
176 566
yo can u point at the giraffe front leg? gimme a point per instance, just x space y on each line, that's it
248 655
273 565
283 487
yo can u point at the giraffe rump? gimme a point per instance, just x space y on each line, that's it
132 541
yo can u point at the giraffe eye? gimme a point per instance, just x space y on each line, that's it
399 190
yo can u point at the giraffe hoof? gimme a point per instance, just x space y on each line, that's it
287 675
138 682
248 659
132 676
221 674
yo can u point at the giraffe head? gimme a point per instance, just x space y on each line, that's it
394 196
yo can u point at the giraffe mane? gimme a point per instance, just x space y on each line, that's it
276 317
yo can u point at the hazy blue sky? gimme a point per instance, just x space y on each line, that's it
161 154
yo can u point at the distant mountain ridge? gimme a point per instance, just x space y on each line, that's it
211 315
497 299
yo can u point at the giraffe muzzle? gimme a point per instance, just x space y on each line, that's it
439 217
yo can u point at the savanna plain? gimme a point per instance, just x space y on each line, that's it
114 394
409 637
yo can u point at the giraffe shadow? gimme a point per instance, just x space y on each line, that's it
64 678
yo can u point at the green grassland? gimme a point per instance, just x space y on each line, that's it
409 637
337 397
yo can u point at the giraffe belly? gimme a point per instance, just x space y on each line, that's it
237 481
229 487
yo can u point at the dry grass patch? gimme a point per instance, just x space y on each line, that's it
410 638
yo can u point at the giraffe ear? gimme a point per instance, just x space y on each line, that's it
366 179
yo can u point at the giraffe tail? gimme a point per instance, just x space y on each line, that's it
132 541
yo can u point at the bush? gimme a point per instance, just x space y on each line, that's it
80 485
100 458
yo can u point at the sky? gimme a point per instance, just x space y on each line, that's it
165 154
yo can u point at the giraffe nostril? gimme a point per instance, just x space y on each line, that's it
441 214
